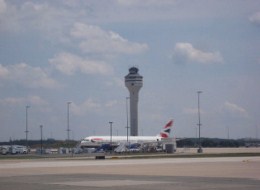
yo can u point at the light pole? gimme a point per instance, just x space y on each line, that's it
68 119
199 124
26 124
110 122
127 126
228 132
41 137
256 131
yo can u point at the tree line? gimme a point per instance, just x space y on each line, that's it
49 143
217 142
185 142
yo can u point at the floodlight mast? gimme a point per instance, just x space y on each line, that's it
127 120
26 124
68 121
200 150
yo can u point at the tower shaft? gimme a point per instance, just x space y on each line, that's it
134 113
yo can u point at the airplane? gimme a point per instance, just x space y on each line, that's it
97 141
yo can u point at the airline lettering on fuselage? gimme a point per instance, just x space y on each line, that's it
96 139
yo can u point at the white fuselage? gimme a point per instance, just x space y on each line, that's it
96 141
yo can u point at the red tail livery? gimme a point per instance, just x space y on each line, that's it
165 132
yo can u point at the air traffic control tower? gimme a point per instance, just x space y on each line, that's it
134 82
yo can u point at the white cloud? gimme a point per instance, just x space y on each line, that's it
96 40
36 100
30 100
88 105
91 105
185 52
255 18
192 111
41 17
116 81
12 101
3 6
32 77
3 71
69 64
150 3
111 103
232 109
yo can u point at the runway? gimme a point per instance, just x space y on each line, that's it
165 173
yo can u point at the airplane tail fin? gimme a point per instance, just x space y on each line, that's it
165 132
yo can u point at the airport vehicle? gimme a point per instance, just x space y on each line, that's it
5 149
13 149
97 141
19 149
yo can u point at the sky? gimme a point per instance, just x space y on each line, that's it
57 51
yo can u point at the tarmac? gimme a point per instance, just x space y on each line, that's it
153 174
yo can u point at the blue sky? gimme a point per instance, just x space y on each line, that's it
52 52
